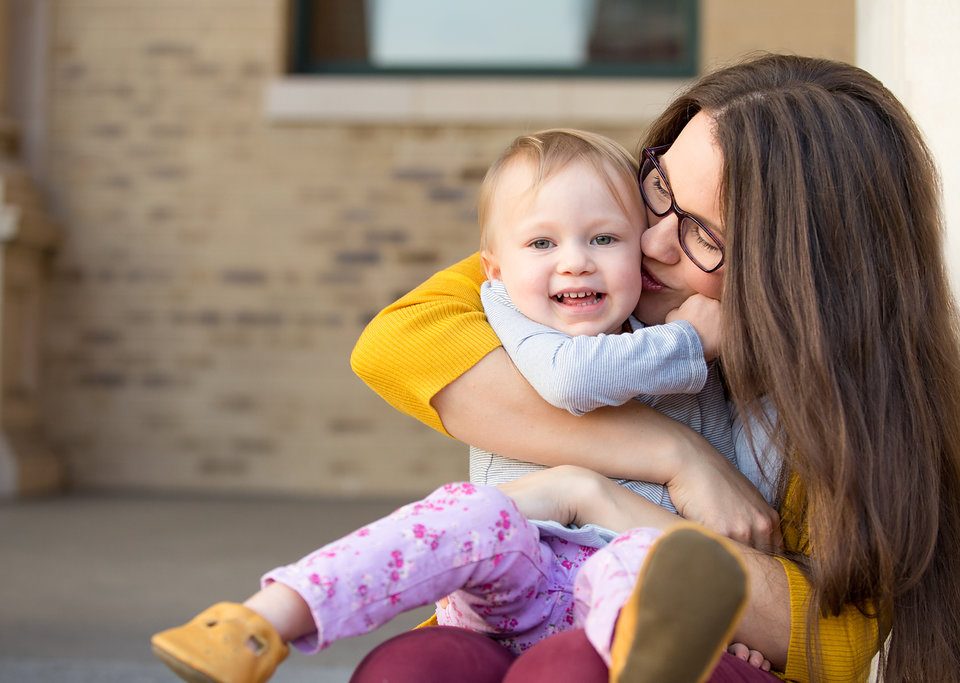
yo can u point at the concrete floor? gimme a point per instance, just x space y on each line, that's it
85 580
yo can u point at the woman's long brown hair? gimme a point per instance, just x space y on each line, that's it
837 307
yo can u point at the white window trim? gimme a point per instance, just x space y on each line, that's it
431 100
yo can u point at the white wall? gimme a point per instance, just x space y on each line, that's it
911 46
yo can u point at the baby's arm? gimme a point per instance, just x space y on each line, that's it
572 495
582 373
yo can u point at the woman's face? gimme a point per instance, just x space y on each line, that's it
692 167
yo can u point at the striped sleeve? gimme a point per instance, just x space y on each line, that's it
585 372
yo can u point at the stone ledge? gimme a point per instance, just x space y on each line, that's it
308 99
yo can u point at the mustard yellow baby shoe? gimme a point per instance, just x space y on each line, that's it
682 613
226 643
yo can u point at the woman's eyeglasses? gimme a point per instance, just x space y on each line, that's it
697 240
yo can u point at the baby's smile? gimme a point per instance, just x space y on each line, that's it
585 298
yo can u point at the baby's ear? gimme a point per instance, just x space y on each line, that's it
490 266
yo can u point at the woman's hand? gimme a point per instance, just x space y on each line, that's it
708 490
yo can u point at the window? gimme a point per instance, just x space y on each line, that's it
495 37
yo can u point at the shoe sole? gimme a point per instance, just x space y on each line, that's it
682 612
182 670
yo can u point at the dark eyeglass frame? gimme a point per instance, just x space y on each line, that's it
651 153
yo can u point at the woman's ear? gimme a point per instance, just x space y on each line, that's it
490 266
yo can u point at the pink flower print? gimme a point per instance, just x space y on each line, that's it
497 559
363 532
567 564
394 599
423 533
465 488
503 524
395 564
569 619
327 584
362 590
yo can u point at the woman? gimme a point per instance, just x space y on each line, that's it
837 312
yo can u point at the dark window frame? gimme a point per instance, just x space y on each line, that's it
302 63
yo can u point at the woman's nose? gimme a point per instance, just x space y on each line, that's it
660 241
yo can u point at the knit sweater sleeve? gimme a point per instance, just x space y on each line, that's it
848 641
421 343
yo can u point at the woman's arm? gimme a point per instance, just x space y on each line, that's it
574 495
775 619
426 339
432 355
631 441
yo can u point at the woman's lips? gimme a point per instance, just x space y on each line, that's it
650 283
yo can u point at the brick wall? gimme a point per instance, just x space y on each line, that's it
216 268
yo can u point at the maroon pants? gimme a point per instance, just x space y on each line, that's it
443 653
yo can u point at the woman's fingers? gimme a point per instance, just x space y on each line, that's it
708 490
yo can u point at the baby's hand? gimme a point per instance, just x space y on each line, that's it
752 657
704 314
548 494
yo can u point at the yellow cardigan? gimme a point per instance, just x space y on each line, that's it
419 344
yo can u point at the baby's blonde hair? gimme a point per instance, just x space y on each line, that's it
551 150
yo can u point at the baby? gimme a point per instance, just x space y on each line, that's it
562 219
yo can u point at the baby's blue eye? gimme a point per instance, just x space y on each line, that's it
541 244
603 240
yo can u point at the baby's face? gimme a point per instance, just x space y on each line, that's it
568 253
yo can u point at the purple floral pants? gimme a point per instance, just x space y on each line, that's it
470 548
